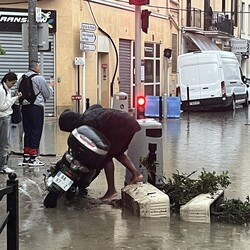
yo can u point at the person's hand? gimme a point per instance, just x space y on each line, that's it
52 84
19 94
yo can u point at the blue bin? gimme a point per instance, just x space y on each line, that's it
152 106
173 107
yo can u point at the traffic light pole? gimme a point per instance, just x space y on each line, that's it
138 90
33 31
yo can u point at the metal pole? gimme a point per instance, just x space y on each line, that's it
138 90
33 31
166 88
83 83
78 89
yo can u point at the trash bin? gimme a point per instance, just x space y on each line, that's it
120 101
147 142
152 106
173 107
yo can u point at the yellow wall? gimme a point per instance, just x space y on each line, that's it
118 23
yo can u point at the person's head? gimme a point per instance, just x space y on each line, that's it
9 79
69 120
35 66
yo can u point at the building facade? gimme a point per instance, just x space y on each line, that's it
211 24
101 35
106 30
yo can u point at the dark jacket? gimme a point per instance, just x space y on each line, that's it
117 126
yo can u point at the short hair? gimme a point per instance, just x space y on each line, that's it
11 76
33 64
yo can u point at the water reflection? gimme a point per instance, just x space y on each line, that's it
211 140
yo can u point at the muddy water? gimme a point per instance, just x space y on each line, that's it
214 141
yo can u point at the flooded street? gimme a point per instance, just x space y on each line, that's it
213 141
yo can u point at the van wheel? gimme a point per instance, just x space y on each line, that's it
232 105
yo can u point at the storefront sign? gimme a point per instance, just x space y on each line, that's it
11 19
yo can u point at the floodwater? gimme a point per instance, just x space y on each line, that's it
210 140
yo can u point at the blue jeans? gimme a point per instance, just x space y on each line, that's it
4 140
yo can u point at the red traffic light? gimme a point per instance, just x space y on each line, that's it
140 107
141 101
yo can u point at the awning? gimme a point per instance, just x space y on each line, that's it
202 42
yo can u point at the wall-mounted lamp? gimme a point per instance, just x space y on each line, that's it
167 53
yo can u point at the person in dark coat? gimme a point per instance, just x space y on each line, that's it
118 127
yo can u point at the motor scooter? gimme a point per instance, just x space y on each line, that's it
78 167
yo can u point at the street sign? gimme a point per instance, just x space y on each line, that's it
87 37
76 97
38 15
239 45
79 61
88 26
87 46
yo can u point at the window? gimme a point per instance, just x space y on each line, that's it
243 18
152 69
174 53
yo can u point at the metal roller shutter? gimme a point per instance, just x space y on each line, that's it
16 59
125 67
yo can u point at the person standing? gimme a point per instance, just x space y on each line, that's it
33 115
6 102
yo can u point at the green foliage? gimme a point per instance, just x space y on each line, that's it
182 188
234 211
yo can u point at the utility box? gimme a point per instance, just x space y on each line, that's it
147 143
145 200
120 101
199 209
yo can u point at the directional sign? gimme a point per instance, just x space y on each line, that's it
87 37
87 46
88 26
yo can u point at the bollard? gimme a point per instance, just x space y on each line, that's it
160 108
188 100
152 147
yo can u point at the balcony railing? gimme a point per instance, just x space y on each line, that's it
218 21
221 22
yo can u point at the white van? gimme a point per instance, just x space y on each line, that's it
211 79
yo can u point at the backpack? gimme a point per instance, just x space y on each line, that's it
26 88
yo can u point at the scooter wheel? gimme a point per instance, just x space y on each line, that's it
50 200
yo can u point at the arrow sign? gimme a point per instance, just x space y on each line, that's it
88 26
87 37
87 47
